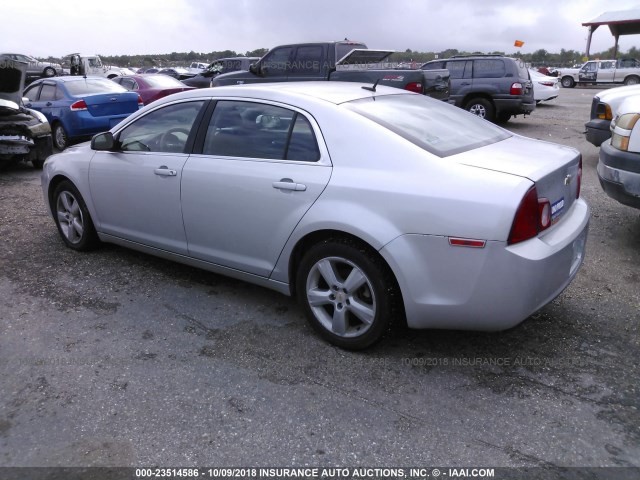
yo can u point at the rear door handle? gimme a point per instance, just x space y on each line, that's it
288 184
165 172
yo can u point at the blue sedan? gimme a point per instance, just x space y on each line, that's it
79 107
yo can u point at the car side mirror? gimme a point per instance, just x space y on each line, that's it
256 69
103 142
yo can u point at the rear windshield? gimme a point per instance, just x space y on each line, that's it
433 125
523 71
93 85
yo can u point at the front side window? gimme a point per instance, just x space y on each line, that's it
48 93
256 130
164 130
277 62
32 93
432 125
458 69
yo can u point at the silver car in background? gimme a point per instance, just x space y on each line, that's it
35 67
370 204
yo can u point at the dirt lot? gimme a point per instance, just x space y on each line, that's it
121 359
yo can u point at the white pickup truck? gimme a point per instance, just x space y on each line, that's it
92 65
625 71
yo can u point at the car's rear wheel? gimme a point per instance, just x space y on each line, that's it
49 72
72 218
60 138
568 82
632 80
348 293
481 107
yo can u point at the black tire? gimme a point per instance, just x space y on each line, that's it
568 82
632 80
60 138
48 72
481 107
376 296
72 218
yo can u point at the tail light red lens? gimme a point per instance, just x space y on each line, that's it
78 106
532 217
516 89
414 87
140 102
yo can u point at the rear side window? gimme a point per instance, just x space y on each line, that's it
459 69
256 130
430 124
488 68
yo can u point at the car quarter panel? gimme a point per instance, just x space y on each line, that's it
490 288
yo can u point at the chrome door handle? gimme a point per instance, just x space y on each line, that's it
288 184
165 172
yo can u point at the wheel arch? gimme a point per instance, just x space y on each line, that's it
631 76
313 238
53 184
471 96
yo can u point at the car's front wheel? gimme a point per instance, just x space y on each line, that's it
72 218
481 107
568 82
60 138
348 293
49 72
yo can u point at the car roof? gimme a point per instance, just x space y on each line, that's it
332 92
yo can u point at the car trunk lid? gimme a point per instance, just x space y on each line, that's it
107 104
555 169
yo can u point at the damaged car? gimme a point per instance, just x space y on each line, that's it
25 134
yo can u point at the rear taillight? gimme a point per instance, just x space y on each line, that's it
579 178
516 89
140 102
414 87
78 106
546 84
532 217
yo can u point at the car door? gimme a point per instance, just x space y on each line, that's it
50 101
136 189
308 62
260 169
606 71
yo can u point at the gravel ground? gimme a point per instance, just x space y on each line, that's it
115 358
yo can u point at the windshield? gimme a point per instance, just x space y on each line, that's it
431 124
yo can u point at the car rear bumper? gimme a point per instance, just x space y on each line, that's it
490 288
514 106
619 174
597 131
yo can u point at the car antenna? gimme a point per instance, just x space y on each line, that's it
373 88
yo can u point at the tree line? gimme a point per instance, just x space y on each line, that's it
565 58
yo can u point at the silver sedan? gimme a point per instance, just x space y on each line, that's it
371 205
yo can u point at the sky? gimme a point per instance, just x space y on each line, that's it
127 27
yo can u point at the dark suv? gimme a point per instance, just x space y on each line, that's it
491 86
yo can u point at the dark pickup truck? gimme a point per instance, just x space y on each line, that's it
343 61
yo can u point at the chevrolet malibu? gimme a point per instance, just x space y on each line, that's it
372 205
